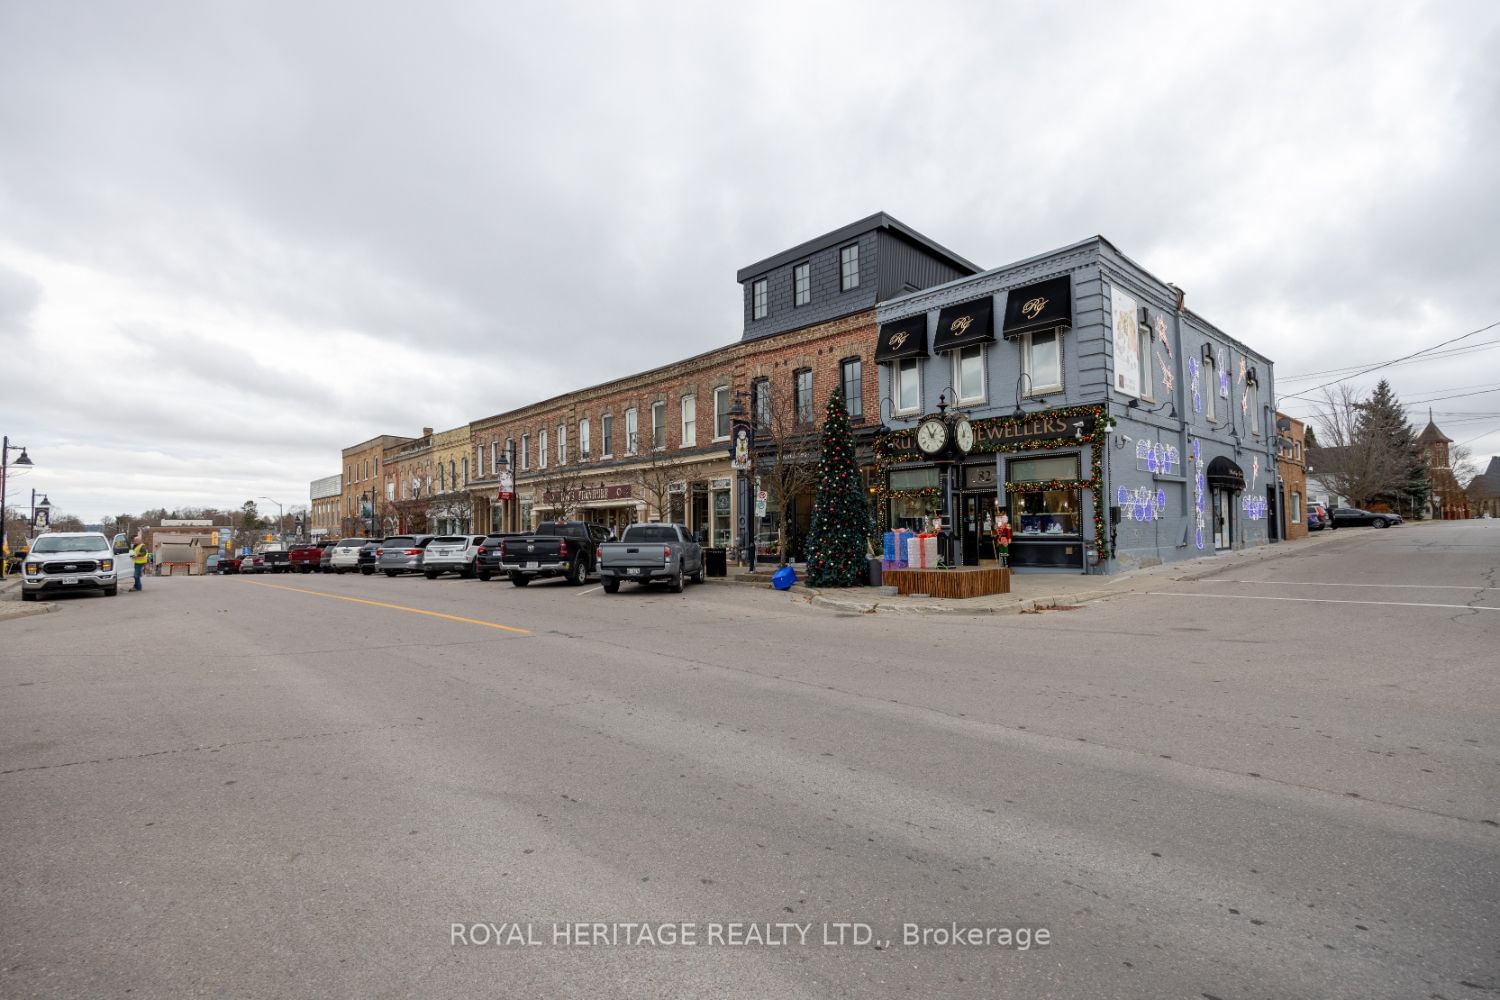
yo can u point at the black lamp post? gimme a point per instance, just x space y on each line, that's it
503 477
743 430
44 509
5 465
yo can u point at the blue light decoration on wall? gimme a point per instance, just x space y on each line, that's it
1157 458
1196 381
1254 507
1141 503
1200 489
1222 368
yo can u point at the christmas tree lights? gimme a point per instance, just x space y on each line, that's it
838 540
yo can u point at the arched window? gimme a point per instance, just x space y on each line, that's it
466 472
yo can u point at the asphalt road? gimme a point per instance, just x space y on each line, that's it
1277 781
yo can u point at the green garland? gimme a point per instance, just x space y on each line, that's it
1103 424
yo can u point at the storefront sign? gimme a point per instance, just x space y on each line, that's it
592 494
996 433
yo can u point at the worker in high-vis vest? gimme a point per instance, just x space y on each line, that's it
138 555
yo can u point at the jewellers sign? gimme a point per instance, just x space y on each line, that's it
1047 430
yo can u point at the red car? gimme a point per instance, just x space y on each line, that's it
305 558
228 564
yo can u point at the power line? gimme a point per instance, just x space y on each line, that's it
1435 355
1408 357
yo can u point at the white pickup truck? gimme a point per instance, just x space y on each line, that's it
648 553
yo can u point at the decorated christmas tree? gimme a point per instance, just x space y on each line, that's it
837 542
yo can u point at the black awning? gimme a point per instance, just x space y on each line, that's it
1040 306
906 338
1225 475
961 325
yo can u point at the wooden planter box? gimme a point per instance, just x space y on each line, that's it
964 581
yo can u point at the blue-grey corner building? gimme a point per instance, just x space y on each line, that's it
1111 426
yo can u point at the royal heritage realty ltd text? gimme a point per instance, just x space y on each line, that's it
742 934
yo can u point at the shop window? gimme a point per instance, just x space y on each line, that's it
851 373
913 511
908 374
1043 362
968 374
1037 509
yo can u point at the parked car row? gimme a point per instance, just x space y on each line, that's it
1353 517
572 550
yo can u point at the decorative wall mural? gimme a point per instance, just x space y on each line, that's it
1124 310
1254 507
1195 380
1157 458
1142 503
1200 490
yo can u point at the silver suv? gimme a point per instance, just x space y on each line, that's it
69 560
451 553
401 554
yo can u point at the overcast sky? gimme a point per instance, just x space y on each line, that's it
235 238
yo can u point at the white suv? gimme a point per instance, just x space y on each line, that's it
68 560
345 558
452 554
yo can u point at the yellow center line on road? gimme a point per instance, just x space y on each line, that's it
393 607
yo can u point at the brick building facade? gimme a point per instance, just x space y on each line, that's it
1291 472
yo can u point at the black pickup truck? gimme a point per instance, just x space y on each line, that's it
558 548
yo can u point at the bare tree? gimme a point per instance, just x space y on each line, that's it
560 490
655 478
1461 461
787 448
1364 466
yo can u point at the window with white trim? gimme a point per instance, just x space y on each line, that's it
802 284
689 422
907 374
1042 362
630 429
658 425
541 449
968 374
584 443
525 451
721 413
607 435
562 444
1296 506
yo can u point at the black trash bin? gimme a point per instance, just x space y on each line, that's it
716 562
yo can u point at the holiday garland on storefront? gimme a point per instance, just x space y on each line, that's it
1103 424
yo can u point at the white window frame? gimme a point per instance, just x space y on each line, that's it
585 442
1143 354
689 432
1033 387
801 284
897 367
562 444
607 438
984 380
849 276
721 410
659 424
541 448
631 427
1296 507
525 452
1211 396
759 304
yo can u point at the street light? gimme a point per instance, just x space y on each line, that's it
44 508
5 463
280 521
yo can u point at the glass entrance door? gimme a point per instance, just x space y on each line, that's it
1223 521
977 527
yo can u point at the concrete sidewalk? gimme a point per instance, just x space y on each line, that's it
1033 592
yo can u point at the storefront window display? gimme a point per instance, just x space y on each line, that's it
1044 498
915 497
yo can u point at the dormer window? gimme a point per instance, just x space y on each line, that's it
758 299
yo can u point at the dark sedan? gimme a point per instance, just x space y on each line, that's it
488 560
1353 517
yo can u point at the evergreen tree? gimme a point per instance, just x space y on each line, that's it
1310 438
1382 421
837 542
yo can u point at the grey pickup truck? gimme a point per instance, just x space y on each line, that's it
648 553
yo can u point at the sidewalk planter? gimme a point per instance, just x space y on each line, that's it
954 583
